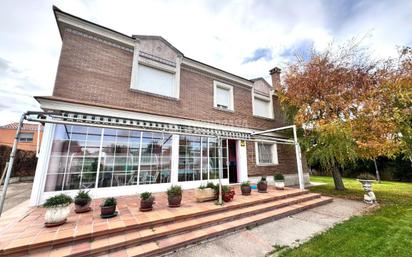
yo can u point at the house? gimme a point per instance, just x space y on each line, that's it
108 85
29 139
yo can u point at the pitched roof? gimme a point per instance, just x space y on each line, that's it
26 126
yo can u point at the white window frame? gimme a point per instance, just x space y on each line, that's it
264 98
274 150
138 60
25 138
218 84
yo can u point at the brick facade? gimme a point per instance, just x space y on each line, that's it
286 159
91 71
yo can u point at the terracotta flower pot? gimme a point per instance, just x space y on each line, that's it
227 197
107 210
262 187
146 204
174 200
246 190
82 208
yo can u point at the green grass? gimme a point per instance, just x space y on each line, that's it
387 231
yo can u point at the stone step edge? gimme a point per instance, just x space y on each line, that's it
89 236
284 212
217 221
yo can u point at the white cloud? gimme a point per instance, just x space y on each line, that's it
219 33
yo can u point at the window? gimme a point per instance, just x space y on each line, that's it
26 137
262 107
266 153
199 158
156 160
155 81
82 156
223 96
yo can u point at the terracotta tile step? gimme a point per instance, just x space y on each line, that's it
173 243
181 216
127 238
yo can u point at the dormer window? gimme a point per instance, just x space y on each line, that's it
223 96
156 73
155 81
262 107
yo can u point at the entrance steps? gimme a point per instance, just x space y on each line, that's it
163 235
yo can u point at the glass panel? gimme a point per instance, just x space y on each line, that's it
156 158
74 158
54 182
189 158
265 153
205 174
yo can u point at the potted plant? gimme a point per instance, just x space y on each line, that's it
174 196
245 188
205 193
279 181
82 202
228 193
57 210
146 201
108 208
366 180
262 185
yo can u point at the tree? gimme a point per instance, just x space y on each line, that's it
338 97
332 146
399 88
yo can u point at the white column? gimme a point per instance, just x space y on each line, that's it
135 63
42 163
241 160
298 159
175 160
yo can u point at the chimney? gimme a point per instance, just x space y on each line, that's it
275 73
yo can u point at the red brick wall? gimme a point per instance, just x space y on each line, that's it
95 72
286 159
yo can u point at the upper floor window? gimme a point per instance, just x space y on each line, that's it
262 107
155 81
26 137
266 153
223 96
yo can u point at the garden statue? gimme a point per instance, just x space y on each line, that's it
366 180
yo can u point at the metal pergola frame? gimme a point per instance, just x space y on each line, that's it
71 118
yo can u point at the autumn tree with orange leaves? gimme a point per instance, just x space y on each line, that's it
344 103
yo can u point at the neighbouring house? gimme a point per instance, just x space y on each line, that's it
129 82
29 139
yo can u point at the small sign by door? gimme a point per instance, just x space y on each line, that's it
242 143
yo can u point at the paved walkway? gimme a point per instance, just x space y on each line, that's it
16 194
288 231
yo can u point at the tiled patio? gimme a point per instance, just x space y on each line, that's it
30 231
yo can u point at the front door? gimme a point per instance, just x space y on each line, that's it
232 162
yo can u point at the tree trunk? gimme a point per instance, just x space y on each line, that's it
337 179
378 177
410 158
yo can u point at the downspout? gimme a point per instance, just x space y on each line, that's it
11 161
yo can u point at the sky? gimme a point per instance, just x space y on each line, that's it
247 37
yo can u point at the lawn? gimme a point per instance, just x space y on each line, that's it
387 231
